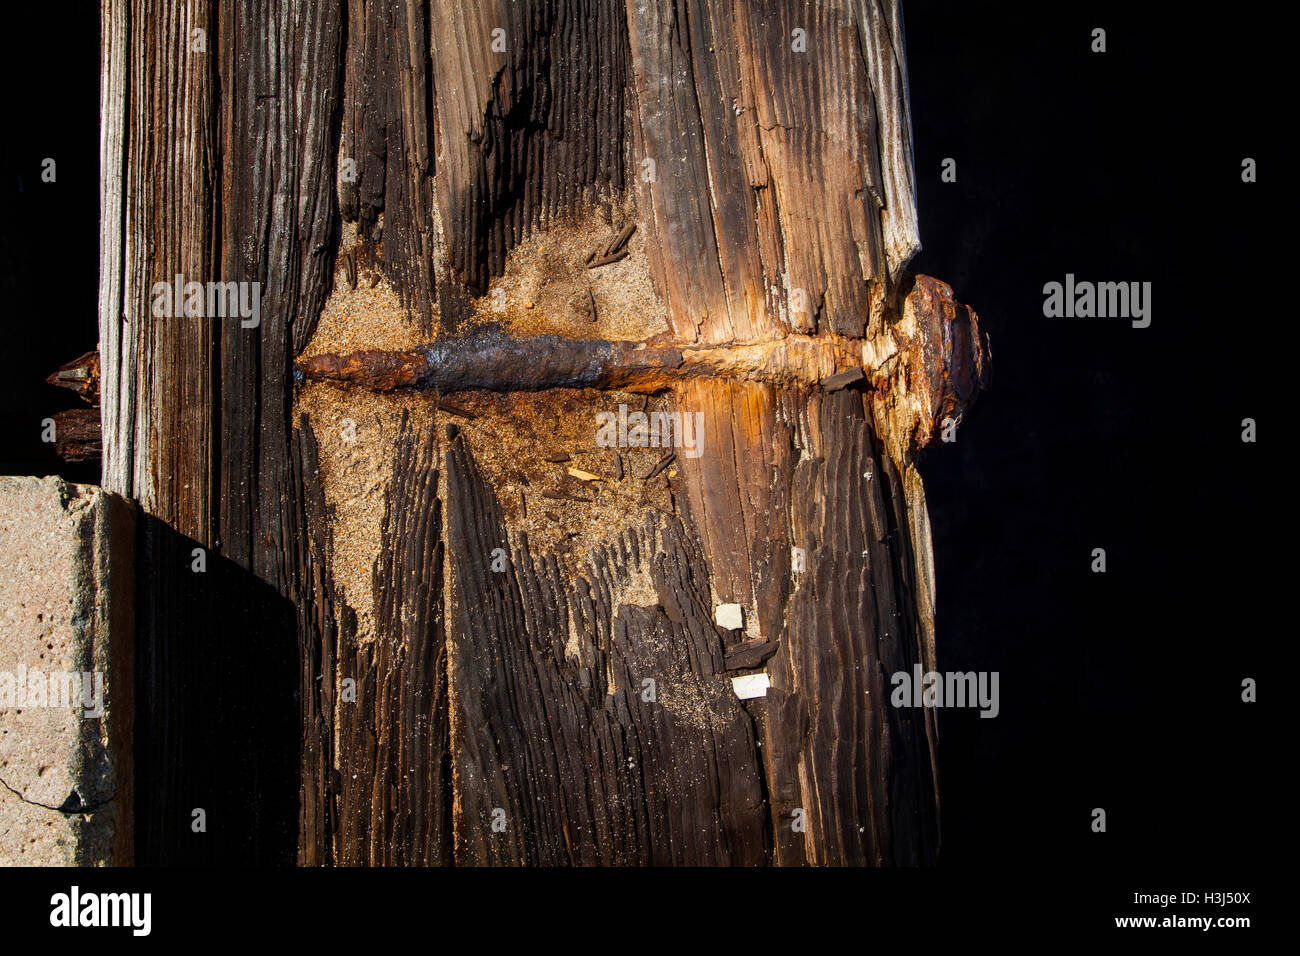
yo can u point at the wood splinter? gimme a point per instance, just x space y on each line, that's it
616 250
77 431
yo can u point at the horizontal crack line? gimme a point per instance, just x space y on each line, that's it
69 807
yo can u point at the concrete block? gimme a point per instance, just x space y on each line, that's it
66 706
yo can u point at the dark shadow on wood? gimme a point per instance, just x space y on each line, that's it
217 723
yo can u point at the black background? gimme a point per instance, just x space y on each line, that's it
1118 690
49 232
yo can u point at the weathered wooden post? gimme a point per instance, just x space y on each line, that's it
568 369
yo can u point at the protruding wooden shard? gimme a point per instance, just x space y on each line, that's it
77 432
660 465
77 435
843 379
747 654
81 375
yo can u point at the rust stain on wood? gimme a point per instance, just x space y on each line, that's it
923 365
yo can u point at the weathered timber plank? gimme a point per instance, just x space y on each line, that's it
853 623
218 156
815 233
411 793
386 148
321 629
788 469
157 171
530 132
552 735
782 202
376 768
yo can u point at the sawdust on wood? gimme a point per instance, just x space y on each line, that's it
548 289
356 433
512 435
363 319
